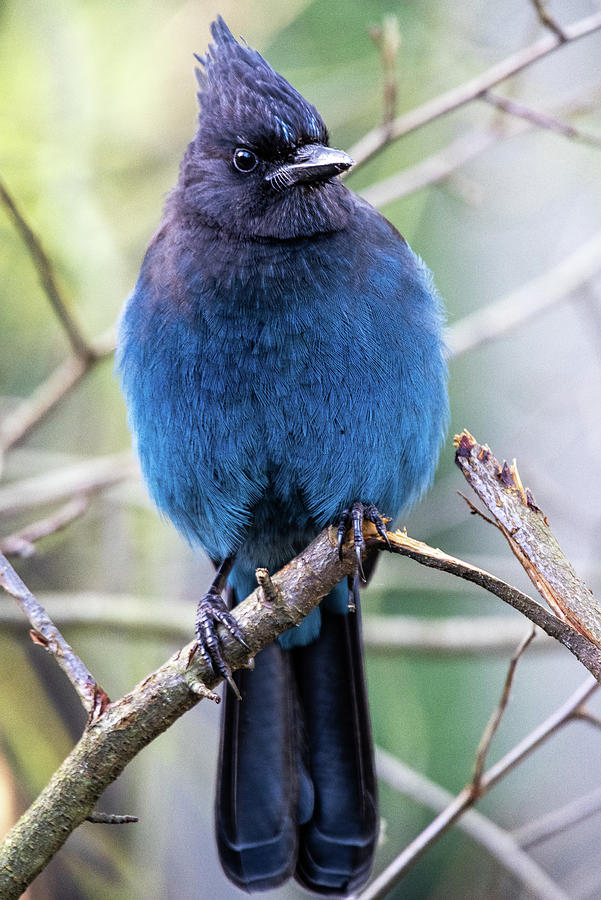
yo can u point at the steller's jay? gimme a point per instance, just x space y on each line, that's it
282 362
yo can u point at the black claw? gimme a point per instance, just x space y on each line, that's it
356 515
343 524
211 613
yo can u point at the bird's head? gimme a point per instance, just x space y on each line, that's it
260 164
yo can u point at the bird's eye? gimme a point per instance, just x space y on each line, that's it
245 160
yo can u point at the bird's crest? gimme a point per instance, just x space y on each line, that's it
241 96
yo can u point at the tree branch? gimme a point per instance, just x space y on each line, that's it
46 634
22 542
374 141
541 120
44 269
382 885
85 476
31 411
527 531
127 725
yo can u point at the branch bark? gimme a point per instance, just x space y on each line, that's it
128 725
529 536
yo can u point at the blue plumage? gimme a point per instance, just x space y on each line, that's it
281 358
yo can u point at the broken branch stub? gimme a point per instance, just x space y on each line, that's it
527 531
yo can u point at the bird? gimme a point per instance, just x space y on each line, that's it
283 366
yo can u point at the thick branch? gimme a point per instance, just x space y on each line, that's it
130 724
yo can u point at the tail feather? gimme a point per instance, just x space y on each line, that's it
337 845
257 790
297 788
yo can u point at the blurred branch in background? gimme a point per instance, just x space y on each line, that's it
170 620
22 542
477 788
375 141
47 277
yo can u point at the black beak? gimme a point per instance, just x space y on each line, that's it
311 163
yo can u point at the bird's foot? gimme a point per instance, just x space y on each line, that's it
212 611
356 515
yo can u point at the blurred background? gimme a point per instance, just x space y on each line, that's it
97 104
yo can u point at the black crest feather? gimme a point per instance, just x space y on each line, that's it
239 90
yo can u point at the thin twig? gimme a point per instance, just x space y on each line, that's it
541 120
433 168
440 165
586 716
500 844
548 21
46 634
31 411
495 719
100 818
381 886
44 268
374 141
582 648
22 543
387 38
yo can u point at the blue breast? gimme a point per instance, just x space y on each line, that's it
265 402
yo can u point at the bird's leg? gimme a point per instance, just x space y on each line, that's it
212 611
355 516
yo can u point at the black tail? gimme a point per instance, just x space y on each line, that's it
297 788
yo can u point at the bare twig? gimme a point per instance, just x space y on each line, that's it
586 716
387 38
495 720
17 424
44 268
22 542
433 168
528 301
100 818
45 633
374 141
381 886
500 844
557 821
461 150
548 21
541 120
587 652
527 531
